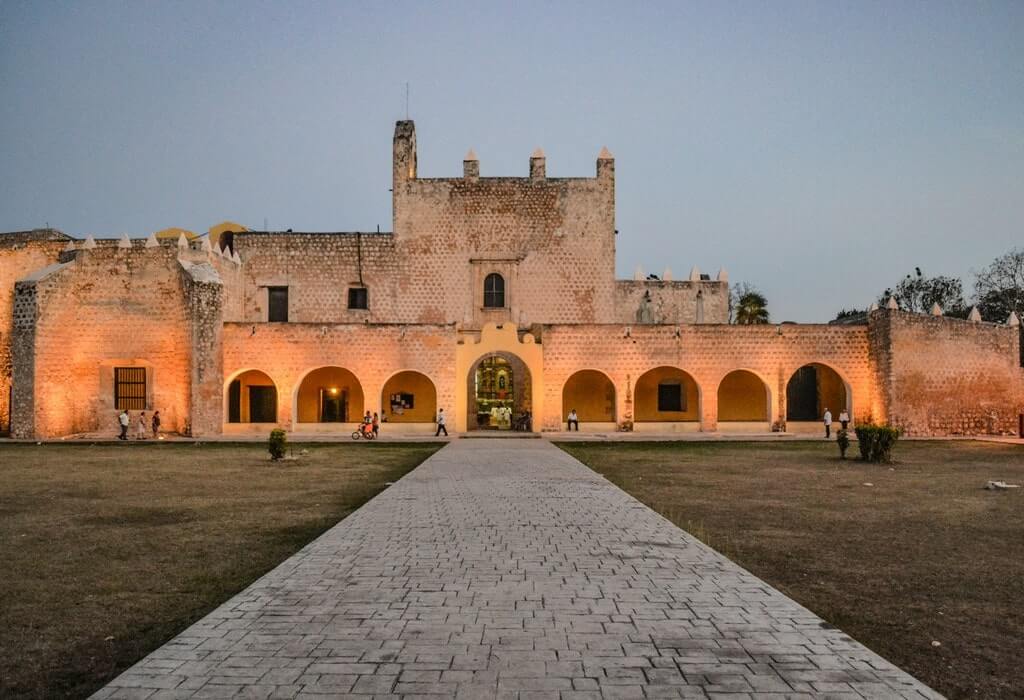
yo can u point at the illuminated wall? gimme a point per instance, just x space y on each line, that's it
645 397
331 382
742 396
592 394
422 391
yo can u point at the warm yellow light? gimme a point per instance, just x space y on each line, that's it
333 390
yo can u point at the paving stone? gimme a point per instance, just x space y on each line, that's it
504 568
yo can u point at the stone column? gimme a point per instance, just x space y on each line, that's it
23 361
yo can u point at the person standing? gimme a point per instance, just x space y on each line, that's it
844 419
141 429
156 425
376 425
440 423
573 420
828 423
123 420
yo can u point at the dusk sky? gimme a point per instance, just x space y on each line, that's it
819 151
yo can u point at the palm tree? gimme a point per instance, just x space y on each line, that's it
752 308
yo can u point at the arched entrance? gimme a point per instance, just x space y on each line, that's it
328 396
500 392
592 394
251 398
409 397
744 402
813 388
666 399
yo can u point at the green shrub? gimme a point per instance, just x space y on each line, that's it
843 440
278 443
876 442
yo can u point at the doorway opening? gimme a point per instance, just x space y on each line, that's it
500 394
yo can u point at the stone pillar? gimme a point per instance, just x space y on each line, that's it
538 167
471 166
23 360
204 300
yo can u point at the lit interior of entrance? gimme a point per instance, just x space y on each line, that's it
500 394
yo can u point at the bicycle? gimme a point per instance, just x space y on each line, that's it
364 431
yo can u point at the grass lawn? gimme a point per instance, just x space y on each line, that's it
109 550
924 554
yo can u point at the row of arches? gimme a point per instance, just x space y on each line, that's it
329 395
499 391
671 395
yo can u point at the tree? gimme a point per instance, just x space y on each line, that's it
747 305
999 288
845 314
917 293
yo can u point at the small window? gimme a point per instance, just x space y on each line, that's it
358 298
130 388
671 398
277 304
494 291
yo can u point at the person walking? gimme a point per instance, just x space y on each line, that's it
156 425
123 420
376 425
440 423
828 423
573 420
141 428
844 419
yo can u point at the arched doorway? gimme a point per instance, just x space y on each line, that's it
666 398
329 395
743 402
810 390
500 392
408 397
592 394
251 397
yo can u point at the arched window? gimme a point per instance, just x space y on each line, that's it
494 291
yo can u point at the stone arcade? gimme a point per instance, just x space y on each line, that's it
491 297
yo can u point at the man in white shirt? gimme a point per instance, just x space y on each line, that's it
123 420
573 420
828 423
440 423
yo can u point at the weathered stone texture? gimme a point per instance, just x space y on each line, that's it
947 376
195 319
374 353
110 307
20 254
708 353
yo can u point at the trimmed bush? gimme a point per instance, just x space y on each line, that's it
876 442
843 440
278 444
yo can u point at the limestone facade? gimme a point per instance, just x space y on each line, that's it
310 330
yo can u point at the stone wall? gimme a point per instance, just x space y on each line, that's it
319 269
373 353
707 353
671 302
108 307
947 376
21 253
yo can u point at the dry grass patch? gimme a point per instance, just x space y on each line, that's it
924 554
111 550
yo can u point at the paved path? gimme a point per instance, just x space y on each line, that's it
505 568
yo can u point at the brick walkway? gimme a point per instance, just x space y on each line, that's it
505 568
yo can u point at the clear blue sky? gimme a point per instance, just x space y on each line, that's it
817 150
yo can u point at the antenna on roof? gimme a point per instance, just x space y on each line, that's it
407 101
264 223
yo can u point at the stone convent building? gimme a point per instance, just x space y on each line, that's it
492 298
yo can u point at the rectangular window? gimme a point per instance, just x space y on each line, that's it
277 304
130 388
671 397
358 298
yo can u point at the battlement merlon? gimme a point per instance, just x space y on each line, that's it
404 164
